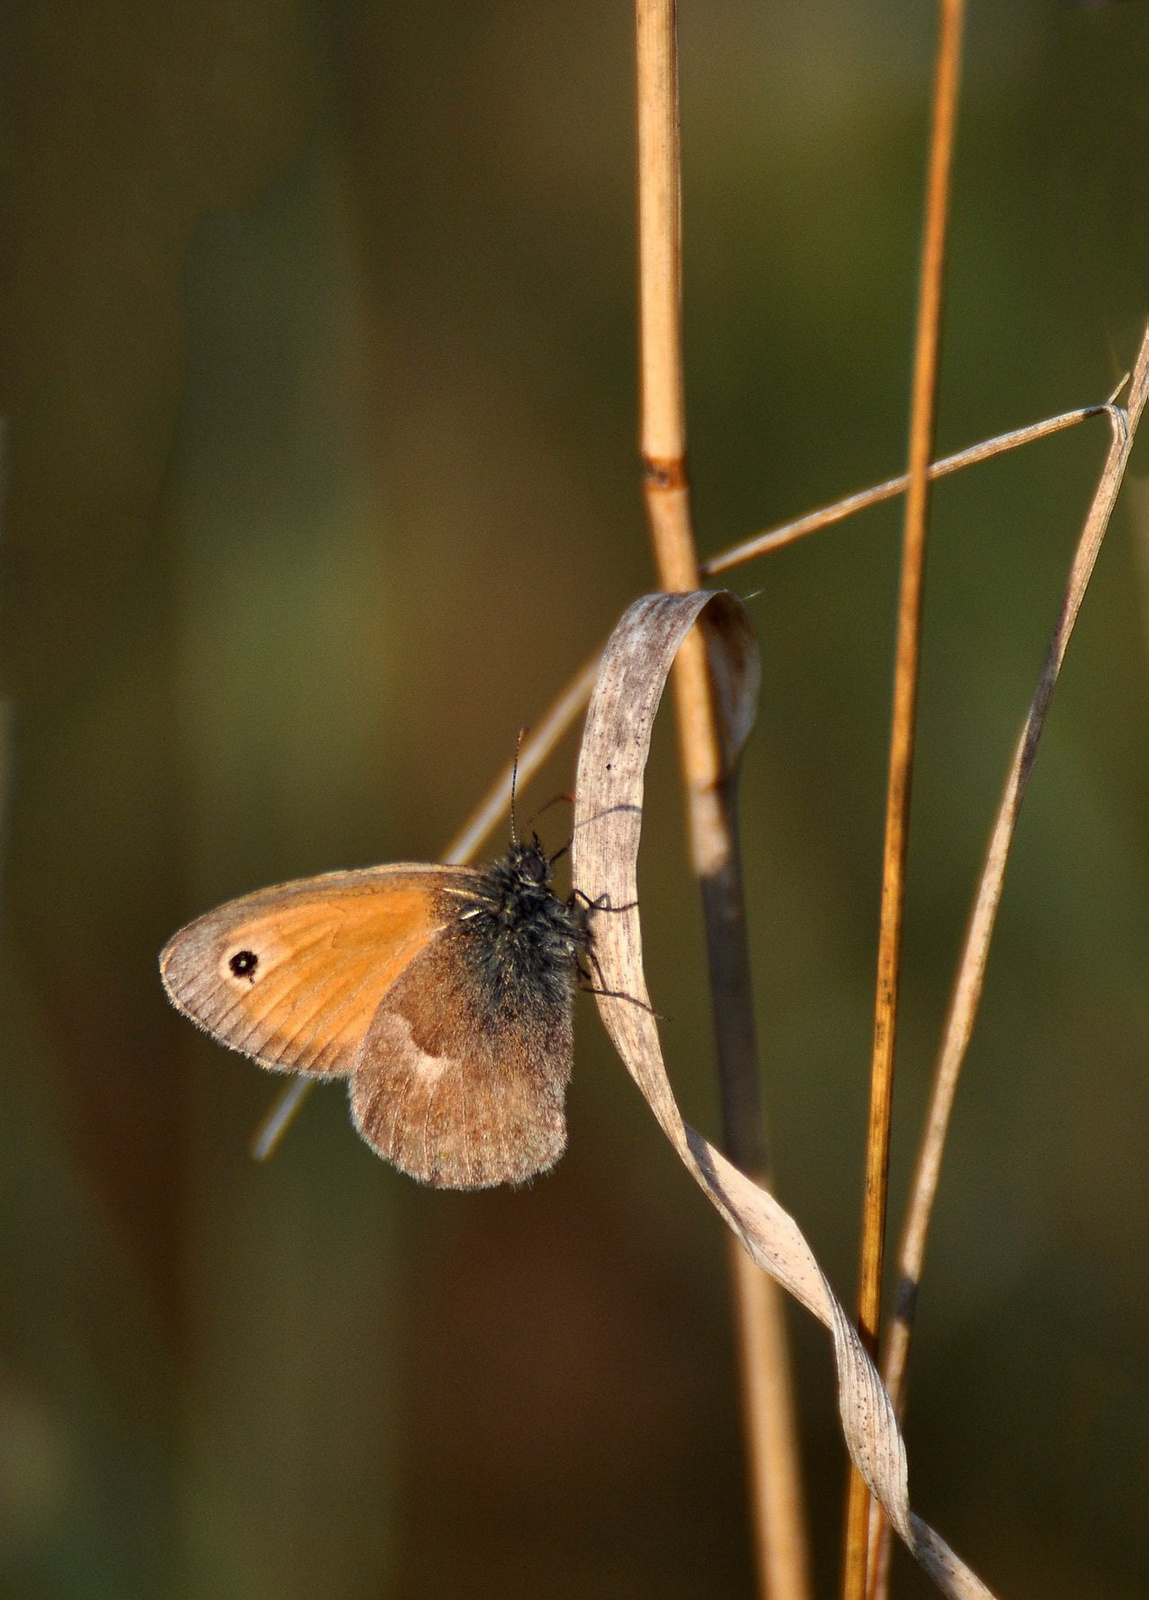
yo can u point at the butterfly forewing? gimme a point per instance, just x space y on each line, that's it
293 975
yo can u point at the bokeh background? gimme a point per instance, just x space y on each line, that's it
320 479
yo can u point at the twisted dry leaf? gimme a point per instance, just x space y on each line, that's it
608 822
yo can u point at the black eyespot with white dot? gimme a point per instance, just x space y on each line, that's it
243 964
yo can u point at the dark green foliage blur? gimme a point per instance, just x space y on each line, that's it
320 478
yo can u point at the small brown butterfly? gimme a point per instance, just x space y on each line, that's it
443 993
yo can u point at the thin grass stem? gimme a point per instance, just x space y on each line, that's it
762 544
923 411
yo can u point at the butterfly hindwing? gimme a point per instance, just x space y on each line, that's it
455 1091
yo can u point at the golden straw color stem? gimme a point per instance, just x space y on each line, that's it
764 1358
923 409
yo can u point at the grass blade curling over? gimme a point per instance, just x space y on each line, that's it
608 823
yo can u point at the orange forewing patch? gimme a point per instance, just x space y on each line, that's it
293 975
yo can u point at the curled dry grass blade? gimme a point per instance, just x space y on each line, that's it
608 822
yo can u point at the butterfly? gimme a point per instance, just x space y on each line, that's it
444 994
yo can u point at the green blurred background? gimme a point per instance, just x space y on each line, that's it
318 346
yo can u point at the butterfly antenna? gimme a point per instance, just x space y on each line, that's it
515 781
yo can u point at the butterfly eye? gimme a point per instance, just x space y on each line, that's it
243 964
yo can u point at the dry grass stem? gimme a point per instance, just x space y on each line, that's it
972 964
772 539
923 411
767 1404
659 233
769 1427
279 1116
